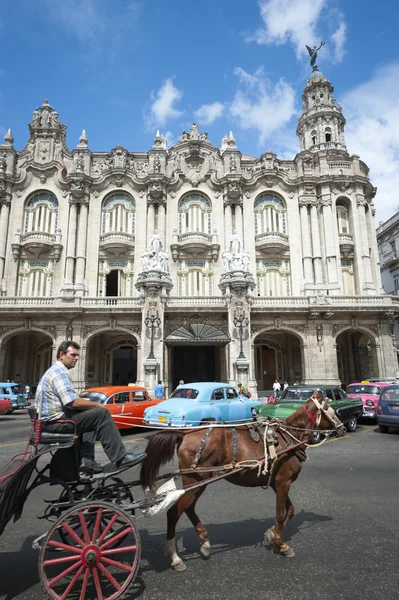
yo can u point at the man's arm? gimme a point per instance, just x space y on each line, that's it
83 404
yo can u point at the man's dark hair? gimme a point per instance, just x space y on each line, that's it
63 347
159 382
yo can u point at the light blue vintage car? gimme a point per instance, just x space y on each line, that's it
194 404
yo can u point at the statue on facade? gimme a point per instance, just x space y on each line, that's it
156 242
313 54
235 243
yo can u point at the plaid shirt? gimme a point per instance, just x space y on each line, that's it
54 392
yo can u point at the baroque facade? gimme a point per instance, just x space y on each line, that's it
194 262
388 249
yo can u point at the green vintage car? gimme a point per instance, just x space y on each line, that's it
348 410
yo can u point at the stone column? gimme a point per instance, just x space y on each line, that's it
316 245
228 223
239 221
71 244
329 239
368 285
161 220
150 222
81 248
306 247
4 217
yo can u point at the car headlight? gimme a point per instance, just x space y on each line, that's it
254 412
369 403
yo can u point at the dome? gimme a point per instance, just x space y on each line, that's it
316 74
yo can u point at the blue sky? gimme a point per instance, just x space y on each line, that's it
122 69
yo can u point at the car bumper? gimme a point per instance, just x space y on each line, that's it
388 420
369 413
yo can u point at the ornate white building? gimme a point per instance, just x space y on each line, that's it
193 262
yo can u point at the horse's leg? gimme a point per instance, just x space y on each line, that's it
200 529
282 501
173 515
289 513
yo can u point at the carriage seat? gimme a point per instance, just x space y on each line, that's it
41 432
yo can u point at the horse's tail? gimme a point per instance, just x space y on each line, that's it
160 450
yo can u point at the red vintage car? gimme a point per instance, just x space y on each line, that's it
5 406
126 403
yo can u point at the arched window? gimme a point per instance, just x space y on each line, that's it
118 214
313 135
348 280
35 278
270 214
41 213
273 277
327 133
195 214
195 278
343 218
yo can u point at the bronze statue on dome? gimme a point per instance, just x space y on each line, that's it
313 55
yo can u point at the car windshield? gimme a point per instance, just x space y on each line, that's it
94 397
363 389
296 394
188 393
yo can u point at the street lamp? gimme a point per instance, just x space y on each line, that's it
152 322
240 322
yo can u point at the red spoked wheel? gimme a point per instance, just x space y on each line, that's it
100 558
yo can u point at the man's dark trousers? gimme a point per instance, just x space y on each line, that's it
95 424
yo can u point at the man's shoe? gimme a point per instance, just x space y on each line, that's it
89 466
131 458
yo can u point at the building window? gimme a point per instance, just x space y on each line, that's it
118 214
273 277
270 214
115 278
314 137
195 278
327 134
35 278
343 219
348 280
41 213
195 214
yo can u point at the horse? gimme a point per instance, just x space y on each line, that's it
205 456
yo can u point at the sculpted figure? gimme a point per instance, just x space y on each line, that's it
235 243
226 260
156 242
313 53
144 260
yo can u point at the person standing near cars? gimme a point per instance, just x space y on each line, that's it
159 390
276 389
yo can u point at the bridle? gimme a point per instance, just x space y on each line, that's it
327 411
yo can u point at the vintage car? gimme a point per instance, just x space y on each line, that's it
194 404
14 392
348 410
369 392
125 403
388 408
5 406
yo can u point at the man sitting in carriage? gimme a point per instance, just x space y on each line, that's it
56 400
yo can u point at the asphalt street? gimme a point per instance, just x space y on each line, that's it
344 533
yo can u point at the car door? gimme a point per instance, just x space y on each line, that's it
141 401
122 407
218 400
237 405
344 407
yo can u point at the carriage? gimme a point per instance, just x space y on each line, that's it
92 547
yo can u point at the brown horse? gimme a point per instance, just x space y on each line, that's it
227 445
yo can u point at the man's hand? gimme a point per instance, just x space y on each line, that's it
83 404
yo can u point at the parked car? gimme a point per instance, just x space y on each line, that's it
13 392
5 406
388 408
194 404
125 403
369 393
348 410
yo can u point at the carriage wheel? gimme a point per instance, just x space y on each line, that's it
100 563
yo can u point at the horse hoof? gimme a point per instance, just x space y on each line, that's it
205 549
269 537
179 567
288 552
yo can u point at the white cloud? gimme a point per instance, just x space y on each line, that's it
298 22
262 106
208 113
372 131
162 106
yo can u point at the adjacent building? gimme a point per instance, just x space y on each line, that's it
195 262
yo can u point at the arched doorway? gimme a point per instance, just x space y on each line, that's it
25 357
278 355
356 356
111 359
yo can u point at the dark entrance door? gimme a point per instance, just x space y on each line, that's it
194 363
124 366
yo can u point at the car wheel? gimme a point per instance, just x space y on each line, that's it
316 437
351 424
383 428
9 411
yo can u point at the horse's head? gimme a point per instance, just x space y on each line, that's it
322 415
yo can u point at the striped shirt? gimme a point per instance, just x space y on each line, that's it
54 392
